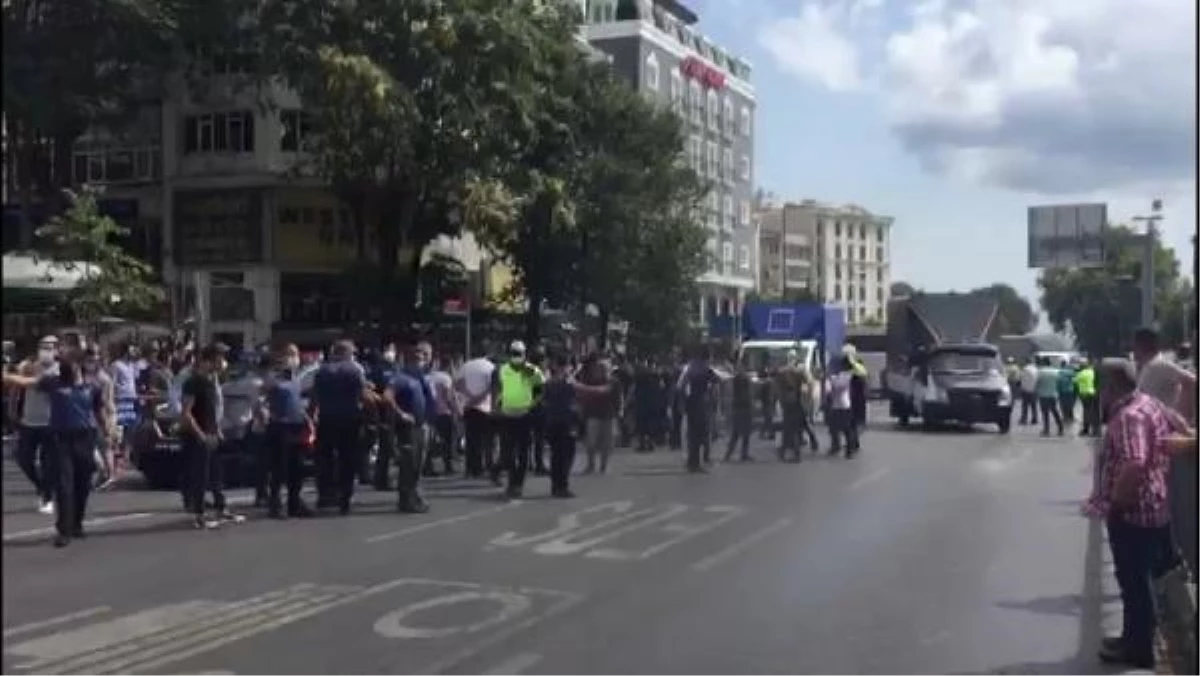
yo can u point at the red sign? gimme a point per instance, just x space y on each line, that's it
454 306
710 77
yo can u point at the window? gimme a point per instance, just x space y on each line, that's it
745 168
115 165
677 102
837 292
727 165
296 126
837 271
745 121
837 229
744 257
862 252
745 213
219 133
727 117
711 248
726 255
862 294
714 206
850 314
727 219
697 152
712 159
837 251
714 111
652 72
697 102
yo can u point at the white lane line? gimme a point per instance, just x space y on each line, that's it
714 560
869 479
49 530
477 647
383 537
54 621
514 665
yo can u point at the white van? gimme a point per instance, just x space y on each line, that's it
769 355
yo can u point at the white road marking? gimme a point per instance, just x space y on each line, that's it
476 647
510 606
54 621
565 545
571 523
514 665
383 537
49 530
869 479
716 559
684 532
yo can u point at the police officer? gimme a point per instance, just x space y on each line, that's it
513 389
409 400
696 385
289 428
340 391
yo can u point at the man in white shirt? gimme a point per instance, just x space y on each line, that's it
1029 400
33 439
474 384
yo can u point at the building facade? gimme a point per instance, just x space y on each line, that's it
655 46
840 254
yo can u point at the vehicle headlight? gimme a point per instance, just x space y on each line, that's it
1005 396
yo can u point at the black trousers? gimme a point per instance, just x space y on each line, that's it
338 453
480 441
1091 414
441 443
1139 554
1029 408
699 435
71 462
33 456
201 472
1049 406
768 415
741 427
385 438
1066 404
537 429
285 463
516 437
842 425
795 429
676 435
408 462
561 438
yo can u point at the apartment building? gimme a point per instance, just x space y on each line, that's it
841 254
655 45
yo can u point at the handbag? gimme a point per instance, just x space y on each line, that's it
1174 594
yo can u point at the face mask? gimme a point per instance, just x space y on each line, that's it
45 356
390 356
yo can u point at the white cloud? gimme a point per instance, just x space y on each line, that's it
812 47
1040 96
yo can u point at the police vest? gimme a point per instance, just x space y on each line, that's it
516 389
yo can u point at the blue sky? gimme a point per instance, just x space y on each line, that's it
953 116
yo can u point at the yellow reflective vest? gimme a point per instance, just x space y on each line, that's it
516 388
1085 381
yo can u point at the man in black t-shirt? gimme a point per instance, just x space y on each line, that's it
201 436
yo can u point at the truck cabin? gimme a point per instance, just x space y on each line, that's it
764 356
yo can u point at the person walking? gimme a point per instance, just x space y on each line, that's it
560 406
698 384
33 433
340 392
792 383
1029 396
380 376
842 424
289 429
1130 495
741 413
513 391
77 416
411 404
1046 388
600 412
444 414
1067 394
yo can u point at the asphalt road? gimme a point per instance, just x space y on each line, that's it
946 552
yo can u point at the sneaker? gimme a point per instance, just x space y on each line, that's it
46 507
203 523
227 516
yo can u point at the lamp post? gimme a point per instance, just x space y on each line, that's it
1148 250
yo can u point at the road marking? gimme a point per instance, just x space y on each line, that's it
684 532
49 530
714 560
564 545
475 647
510 605
869 479
383 537
571 523
53 621
514 665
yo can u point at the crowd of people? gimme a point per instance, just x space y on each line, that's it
81 416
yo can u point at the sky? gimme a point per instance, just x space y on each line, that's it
954 116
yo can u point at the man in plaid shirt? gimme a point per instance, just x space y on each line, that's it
1130 494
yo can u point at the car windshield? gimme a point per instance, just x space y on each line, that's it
963 362
763 358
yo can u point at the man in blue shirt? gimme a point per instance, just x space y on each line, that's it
410 399
339 391
288 430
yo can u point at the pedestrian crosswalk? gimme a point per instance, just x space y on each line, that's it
148 640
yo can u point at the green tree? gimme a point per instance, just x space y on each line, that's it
899 289
1016 313
408 102
1101 305
114 282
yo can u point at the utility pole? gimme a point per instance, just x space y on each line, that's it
1149 241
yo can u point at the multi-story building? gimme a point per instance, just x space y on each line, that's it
841 254
655 45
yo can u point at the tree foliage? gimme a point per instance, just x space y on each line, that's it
1016 314
114 282
1102 306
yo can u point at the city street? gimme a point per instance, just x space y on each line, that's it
950 552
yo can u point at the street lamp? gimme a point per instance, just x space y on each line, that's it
1148 247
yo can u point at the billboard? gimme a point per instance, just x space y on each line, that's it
1067 235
